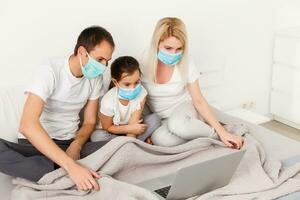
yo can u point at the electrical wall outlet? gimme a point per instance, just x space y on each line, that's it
248 105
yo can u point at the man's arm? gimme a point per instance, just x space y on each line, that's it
88 126
31 128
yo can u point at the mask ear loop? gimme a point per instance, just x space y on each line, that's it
116 103
117 90
80 60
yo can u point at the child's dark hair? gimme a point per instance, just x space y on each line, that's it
123 64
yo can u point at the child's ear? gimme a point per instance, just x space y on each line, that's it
115 82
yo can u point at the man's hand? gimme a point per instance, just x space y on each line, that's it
73 150
84 178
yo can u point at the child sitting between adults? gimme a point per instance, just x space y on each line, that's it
122 106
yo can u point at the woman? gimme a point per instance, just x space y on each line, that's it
174 94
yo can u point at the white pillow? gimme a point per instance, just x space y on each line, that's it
12 99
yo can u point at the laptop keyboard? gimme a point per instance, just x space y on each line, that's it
163 191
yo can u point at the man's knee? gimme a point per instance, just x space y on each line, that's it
92 147
3 146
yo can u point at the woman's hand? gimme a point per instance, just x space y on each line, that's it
230 140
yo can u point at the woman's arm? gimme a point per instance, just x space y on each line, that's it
205 111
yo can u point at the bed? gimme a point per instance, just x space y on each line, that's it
11 101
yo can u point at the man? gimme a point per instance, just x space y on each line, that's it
49 129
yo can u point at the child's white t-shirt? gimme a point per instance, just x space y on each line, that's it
112 107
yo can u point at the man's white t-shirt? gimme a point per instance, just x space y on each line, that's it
163 98
64 96
112 107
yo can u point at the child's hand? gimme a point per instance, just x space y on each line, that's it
138 128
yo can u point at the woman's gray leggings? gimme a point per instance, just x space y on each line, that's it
184 124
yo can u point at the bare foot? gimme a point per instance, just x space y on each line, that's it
149 141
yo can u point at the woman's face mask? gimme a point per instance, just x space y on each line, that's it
169 58
170 51
92 68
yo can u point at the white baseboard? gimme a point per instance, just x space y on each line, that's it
287 122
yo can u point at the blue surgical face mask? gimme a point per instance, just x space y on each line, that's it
92 68
129 93
169 58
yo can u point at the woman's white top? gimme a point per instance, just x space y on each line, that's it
112 107
163 98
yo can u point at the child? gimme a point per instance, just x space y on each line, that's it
122 106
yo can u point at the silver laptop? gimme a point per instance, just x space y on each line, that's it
196 179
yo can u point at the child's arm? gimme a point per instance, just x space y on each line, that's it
106 115
136 119
107 125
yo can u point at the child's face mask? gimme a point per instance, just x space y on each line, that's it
129 93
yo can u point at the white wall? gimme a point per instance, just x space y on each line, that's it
235 35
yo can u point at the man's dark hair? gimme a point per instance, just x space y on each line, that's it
91 37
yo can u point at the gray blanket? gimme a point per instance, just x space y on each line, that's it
125 161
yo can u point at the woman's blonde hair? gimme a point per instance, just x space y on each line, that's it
166 27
